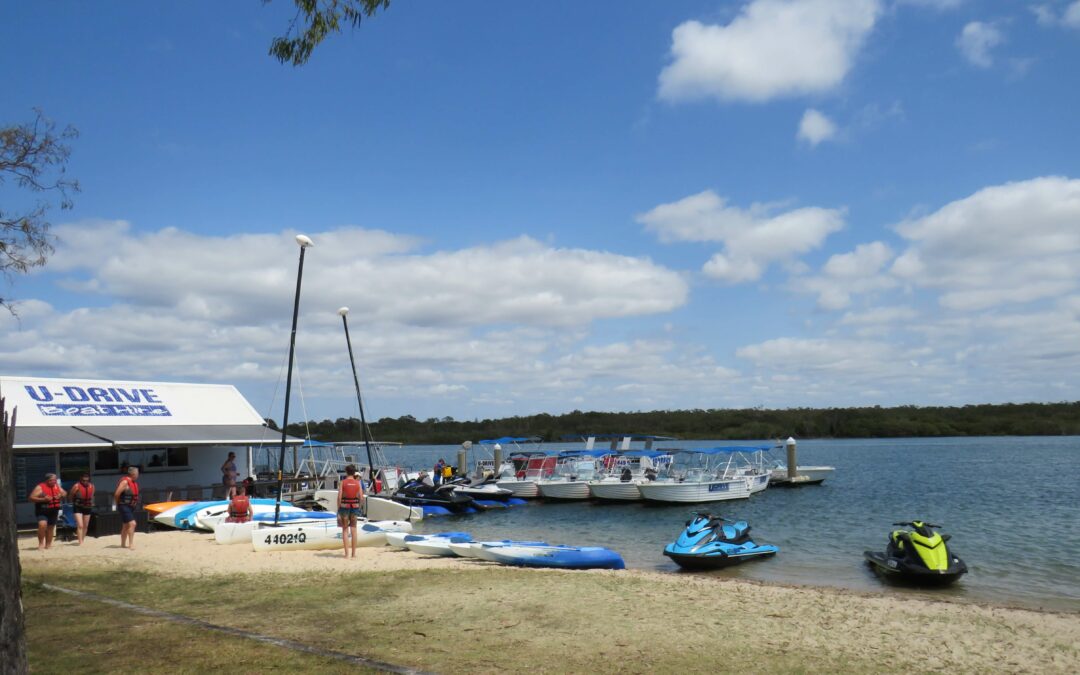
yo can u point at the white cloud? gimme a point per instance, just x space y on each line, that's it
1011 243
377 274
939 5
752 238
773 48
860 271
977 40
815 127
1071 17
436 329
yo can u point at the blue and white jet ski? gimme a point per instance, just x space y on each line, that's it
710 542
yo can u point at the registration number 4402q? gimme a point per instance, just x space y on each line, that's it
293 538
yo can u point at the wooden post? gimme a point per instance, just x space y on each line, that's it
12 626
497 453
792 463
463 461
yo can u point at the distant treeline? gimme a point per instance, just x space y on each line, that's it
1023 419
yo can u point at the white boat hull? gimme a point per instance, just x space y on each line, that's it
615 490
694 492
757 482
567 489
379 508
526 489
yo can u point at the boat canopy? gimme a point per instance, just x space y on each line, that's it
725 450
585 453
608 437
510 439
651 454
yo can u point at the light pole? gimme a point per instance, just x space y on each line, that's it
344 312
304 243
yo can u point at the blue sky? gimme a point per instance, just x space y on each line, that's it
539 208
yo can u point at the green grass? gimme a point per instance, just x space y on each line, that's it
66 634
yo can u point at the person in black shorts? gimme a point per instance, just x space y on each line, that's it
82 502
48 498
127 500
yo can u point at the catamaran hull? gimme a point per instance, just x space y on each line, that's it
694 493
570 489
319 536
379 508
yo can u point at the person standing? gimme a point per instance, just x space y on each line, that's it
228 475
240 507
82 503
127 500
48 498
350 497
437 473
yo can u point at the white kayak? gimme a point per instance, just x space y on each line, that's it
316 536
482 549
378 508
168 517
401 539
210 518
433 545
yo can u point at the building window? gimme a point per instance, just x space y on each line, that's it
145 459
106 460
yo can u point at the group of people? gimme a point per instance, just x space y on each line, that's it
442 471
49 497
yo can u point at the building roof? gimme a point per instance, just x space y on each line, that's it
59 438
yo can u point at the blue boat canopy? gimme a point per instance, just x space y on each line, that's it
510 439
729 449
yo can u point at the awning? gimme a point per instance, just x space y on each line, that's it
44 438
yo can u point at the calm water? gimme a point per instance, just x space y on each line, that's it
1011 504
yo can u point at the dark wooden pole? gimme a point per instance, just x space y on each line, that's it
12 626
304 243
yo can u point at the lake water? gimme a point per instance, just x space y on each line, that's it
1011 504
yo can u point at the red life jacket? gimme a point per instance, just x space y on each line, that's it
130 496
350 493
83 495
238 507
53 493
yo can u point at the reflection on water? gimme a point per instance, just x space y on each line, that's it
1011 504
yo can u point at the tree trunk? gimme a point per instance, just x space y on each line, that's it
12 627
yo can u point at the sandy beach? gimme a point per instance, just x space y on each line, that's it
655 617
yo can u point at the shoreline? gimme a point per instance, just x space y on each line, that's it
105 552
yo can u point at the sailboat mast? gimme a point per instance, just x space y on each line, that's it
344 311
304 244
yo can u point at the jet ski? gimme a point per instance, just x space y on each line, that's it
419 493
710 542
919 556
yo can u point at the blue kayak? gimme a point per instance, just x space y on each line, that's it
561 557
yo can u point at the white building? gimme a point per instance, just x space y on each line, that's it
179 435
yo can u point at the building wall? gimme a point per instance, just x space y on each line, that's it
204 469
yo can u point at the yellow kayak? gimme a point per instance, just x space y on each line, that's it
161 507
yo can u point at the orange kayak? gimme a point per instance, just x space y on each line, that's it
161 507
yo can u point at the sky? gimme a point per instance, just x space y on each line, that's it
543 207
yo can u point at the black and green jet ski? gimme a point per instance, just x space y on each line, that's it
919 556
